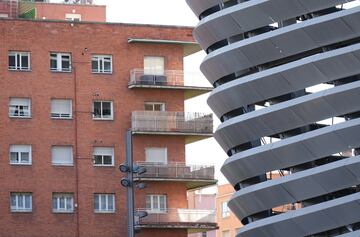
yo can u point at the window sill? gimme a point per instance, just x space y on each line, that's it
20 117
21 211
19 70
103 119
104 212
55 71
16 164
62 165
104 166
63 212
55 118
102 73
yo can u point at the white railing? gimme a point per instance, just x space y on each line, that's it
177 171
177 216
181 122
167 78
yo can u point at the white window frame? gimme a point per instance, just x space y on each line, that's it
20 196
60 115
97 152
111 117
147 149
100 60
67 198
62 164
153 104
152 68
225 211
152 208
105 197
19 55
59 59
72 17
19 149
17 107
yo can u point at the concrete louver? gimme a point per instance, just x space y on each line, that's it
274 66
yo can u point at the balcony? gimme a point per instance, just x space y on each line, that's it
195 176
193 220
170 79
195 126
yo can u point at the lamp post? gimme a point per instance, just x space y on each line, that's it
128 182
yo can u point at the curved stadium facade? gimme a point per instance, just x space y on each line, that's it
287 91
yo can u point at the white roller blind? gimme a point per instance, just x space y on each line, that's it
20 101
156 154
101 151
154 65
62 155
20 148
60 106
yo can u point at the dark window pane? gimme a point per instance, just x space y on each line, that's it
11 61
97 109
107 66
106 109
24 62
66 65
107 160
14 157
53 64
97 160
94 65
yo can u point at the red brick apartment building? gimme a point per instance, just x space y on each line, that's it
70 91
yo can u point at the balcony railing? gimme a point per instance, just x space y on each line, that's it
172 122
178 218
177 171
172 78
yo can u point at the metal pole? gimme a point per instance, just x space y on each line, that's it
130 189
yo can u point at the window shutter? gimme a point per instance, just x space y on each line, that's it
154 65
108 151
61 107
62 155
156 155
19 101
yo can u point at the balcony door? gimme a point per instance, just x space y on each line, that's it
156 155
154 65
156 203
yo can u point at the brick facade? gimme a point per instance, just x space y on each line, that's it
82 132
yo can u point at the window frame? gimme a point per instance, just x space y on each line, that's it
111 109
72 17
62 164
59 62
151 209
102 157
17 208
153 104
18 109
106 196
19 155
61 116
100 59
19 54
225 211
58 197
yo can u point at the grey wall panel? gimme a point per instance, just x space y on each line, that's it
275 68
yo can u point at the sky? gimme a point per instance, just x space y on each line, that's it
176 12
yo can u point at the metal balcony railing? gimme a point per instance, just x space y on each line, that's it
176 170
172 122
178 217
175 78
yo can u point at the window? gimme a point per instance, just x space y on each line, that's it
19 61
225 211
104 203
72 17
60 62
61 109
225 233
20 154
103 110
101 64
204 234
156 155
154 106
153 65
19 107
103 156
156 203
62 155
63 202
21 202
